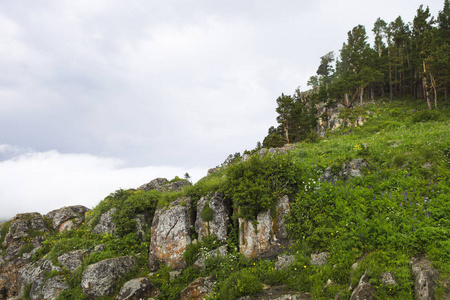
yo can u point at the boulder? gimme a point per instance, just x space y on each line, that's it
266 237
221 217
20 226
284 261
67 218
319 259
170 234
100 279
73 260
424 277
353 168
155 184
198 289
53 287
388 279
221 251
136 289
106 224
34 273
363 290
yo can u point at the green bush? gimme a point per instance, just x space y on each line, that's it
240 284
425 116
255 185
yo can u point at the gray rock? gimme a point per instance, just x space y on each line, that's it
141 225
353 168
176 186
388 279
53 287
136 289
424 278
174 275
71 217
106 224
34 273
284 261
221 251
363 290
20 226
35 290
100 279
319 259
267 238
328 175
219 225
99 248
154 184
73 260
198 289
170 234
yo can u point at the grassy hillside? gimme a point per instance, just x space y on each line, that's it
399 208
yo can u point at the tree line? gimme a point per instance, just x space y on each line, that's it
406 60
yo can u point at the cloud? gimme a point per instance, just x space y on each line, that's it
43 181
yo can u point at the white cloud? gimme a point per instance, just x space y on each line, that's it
49 180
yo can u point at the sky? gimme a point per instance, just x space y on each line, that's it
101 95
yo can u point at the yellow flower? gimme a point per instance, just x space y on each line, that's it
304 267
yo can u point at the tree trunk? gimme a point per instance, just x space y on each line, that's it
287 132
390 83
425 87
433 84
361 93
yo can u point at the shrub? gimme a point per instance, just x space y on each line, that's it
425 116
240 284
255 185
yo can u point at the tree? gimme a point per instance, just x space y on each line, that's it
284 110
443 22
325 69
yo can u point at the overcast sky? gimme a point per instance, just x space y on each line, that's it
101 95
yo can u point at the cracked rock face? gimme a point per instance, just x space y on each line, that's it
268 237
100 279
53 287
106 224
170 235
219 225
424 278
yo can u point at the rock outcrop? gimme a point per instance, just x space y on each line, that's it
106 224
163 185
200 262
170 234
266 237
424 278
100 279
136 289
66 218
198 289
23 238
363 290
53 287
34 274
221 217
73 260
